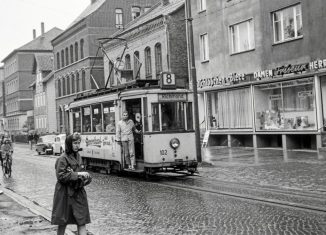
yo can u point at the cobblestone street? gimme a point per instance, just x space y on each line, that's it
132 205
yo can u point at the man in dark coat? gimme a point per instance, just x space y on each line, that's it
70 204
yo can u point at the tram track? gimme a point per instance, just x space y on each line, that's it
295 200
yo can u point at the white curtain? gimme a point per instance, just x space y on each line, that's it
234 109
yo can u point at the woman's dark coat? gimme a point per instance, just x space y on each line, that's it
70 204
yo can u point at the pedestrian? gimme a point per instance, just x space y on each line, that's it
30 140
70 204
125 137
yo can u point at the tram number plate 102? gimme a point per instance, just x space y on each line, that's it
163 152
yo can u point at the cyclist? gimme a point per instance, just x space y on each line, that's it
6 150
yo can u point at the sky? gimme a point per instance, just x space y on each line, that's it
18 18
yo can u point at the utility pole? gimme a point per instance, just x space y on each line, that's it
192 74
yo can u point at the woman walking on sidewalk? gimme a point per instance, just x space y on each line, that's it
70 204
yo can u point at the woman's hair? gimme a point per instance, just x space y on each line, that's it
71 138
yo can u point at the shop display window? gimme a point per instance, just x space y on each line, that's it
229 109
288 105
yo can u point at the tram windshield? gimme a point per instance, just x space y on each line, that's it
173 116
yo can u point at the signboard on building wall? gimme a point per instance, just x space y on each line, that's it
217 81
172 97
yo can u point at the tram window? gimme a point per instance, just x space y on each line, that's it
173 116
96 118
155 117
145 114
109 117
76 120
190 124
86 112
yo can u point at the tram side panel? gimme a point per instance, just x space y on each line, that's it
158 152
102 147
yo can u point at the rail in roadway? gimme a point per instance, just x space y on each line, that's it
314 202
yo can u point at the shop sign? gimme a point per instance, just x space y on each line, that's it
304 94
263 74
280 71
172 97
233 78
317 64
275 97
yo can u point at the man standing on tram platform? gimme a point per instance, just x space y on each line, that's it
124 135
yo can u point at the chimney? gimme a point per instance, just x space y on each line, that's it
42 28
34 33
165 2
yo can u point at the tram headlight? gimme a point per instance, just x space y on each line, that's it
174 143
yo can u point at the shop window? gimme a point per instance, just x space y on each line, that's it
148 63
135 12
202 5
287 24
118 18
109 117
86 121
229 109
204 52
242 37
288 105
97 118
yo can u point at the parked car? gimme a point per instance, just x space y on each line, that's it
59 144
45 144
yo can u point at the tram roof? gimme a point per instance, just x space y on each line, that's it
131 88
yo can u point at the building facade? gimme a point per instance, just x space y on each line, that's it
18 67
154 43
2 99
261 72
78 60
44 94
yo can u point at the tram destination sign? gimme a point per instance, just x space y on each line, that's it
172 97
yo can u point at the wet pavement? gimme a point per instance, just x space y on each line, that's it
131 205
16 219
297 170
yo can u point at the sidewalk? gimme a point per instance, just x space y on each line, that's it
274 168
16 219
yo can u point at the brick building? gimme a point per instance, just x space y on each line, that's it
18 67
261 72
78 66
156 42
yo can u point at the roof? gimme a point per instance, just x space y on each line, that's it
44 61
48 77
157 10
41 43
89 10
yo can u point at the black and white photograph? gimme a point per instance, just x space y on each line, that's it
162 117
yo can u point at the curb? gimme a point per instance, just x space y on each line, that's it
32 206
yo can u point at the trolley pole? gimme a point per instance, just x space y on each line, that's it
192 74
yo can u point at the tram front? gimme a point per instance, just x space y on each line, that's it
169 136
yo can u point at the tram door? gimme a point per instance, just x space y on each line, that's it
134 109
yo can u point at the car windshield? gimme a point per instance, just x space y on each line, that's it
46 139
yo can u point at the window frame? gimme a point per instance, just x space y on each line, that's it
234 30
204 47
119 18
202 5
281 21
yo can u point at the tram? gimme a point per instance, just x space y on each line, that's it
165 117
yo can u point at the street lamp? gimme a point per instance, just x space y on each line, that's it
193 75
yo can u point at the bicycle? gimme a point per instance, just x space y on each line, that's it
6 166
